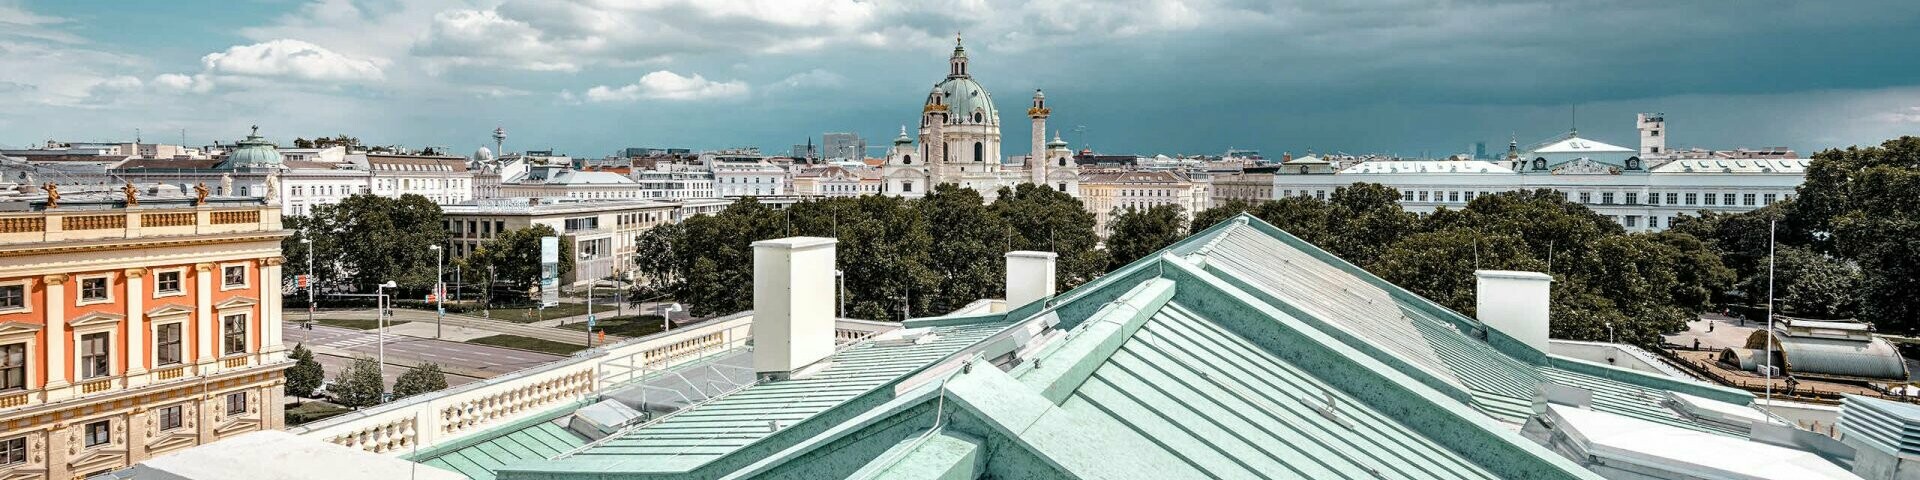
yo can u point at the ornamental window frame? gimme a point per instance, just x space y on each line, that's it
26 295
180 278
80 298
246 276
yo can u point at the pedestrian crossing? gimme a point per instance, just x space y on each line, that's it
353 341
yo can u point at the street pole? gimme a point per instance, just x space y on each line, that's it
590 286
840 291
1769 337
310 280
439 288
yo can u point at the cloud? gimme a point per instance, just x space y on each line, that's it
1906 115
666 85
816 78
294 59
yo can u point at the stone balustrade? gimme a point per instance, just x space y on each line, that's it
423 421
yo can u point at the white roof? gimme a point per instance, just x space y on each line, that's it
1428 166
1581 145
1619 439
279 455
1728 165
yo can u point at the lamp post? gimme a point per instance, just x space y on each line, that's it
439 288
840 291
380 321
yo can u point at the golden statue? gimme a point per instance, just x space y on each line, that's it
53 195
200 194
133 194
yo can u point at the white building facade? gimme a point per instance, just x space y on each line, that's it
959 143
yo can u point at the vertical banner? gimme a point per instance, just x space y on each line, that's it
549 271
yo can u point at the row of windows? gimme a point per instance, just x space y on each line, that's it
97 289
476 229
96 352
13 451
326 190
1608 198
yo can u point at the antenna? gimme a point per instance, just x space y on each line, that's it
1575 126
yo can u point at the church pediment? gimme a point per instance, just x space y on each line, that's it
12 328
236 302
169 310
907 174
96 318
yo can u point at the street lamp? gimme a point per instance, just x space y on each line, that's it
380 318
439 288
840 290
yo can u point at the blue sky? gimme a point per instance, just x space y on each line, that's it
1141 76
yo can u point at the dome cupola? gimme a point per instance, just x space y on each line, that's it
254 152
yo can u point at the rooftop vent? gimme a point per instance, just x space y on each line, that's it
792 304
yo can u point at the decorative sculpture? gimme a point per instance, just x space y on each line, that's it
200 194
272 188
53 195
226 184
133 194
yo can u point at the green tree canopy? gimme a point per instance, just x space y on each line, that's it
513 257
306 374
967 256
422 378
373 239
359 385
1136 233
1039 218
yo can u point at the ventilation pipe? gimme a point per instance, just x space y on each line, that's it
1515 304
1030 277
792 304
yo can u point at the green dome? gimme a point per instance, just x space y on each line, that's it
252 153
902 139
965 98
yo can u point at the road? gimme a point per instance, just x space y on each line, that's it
473 360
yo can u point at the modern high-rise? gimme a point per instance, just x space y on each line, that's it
847 146
134 323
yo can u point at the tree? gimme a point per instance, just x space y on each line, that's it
422 378
1440 265
655 262
513 257
1808 284
1137 233
966 256
359 385
378 239
1039 218
1206 219
306 374
1365 219
302 143
325 249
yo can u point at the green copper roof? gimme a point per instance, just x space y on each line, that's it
255 151
520 442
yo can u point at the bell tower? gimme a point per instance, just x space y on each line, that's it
1037 159
957 64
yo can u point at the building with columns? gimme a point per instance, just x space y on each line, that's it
959 143
134 324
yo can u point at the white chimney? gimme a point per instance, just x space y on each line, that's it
1029 277
1515 304
792 303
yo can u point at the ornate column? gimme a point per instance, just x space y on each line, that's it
270 315
203 321
136 296
59 361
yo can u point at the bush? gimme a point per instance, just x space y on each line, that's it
359 385
422 378
306 374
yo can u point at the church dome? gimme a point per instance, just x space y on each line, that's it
483 155
253 152
968 102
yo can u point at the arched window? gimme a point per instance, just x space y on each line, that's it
1303 169
979 152
977 118
1063 161
906 159
1540 163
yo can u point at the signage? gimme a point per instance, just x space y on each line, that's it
301 280
549 271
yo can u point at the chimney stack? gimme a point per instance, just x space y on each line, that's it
792 304
1515 304
1029 277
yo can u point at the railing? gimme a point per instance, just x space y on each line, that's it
170 373
436 418
58 225
14 400
236 362
96 386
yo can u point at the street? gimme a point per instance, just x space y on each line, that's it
468 360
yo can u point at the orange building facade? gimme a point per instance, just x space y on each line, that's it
128 332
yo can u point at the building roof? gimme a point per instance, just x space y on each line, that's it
1794 166
1134 177
1865 358
279 455
1240 351
1574 144
1425 166
254 151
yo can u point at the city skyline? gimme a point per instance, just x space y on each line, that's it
1153 77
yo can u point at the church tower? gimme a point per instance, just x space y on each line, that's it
933 121
1037 159
905 174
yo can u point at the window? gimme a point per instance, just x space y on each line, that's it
1769 198
1653 222
1712 199
1673 198
13 366
1747 199
234 275
1453 196
1606 198
979 150
166 282
93 356
166 344
1633 198
236 403
13 450
98 434
1423 195
1405 196
1586 197
93 289
1692 198
1633 220
170 418
13 297
1728 199
233 333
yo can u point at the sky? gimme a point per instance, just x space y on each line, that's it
587 77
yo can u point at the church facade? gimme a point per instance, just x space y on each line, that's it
959 143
